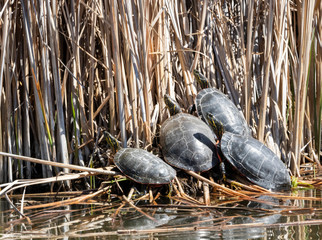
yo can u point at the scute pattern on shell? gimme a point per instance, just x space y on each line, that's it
188 143
210 100
143 167
255 161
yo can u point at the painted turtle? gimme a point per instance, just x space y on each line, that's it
187 142
140 165
210 100
251 158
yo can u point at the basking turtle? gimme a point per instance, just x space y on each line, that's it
140 165
187 142
211 100
251 158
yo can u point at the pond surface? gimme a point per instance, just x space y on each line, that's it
268 218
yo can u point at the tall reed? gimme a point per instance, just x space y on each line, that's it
68 68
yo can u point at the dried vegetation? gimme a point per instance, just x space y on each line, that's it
71 68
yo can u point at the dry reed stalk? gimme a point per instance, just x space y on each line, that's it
143 47
4 74
26 123
178 39
42 120
137 208
92 69
206 193
117 69
306 27
54 53
71 201
267 57
317 102
278 83
199 37
131 72
223 47
248 61
56 164
69 68
4 40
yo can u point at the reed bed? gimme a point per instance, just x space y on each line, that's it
69 69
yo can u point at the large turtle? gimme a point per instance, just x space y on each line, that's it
187 142
140 165
251 158
211 100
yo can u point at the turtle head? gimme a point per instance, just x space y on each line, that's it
112 141
172 105
201 79
215 125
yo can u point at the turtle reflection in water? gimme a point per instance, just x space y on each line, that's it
251 158
140 165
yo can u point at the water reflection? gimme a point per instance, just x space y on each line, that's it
141 222
265 218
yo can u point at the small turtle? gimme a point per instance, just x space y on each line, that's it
140 165
211 100
186 141
251 158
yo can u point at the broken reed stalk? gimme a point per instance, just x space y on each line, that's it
254 188
137 208
71 201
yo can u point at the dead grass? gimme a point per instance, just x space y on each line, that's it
68 68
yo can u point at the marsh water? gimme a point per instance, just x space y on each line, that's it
266 218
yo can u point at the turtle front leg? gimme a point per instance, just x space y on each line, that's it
223 171
221 164
192 109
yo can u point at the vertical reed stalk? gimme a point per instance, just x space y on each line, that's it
249 50
267 57
117 69
71 68
302 74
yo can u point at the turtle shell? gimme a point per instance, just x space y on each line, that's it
143 167
188 143
255 161
210 100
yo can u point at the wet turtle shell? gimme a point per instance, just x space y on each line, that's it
211 100
255 161
188 143
143 167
